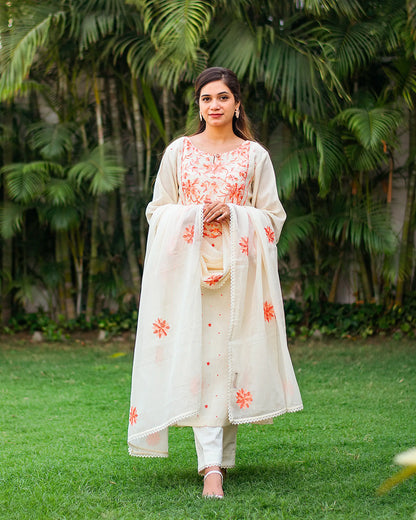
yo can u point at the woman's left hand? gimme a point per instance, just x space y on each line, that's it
217 211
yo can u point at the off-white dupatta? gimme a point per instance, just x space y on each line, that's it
167 360
166 383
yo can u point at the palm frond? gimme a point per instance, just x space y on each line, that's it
60 192
293 164
362 159
367 225
60 217
52 140
167 69
21 42
151 108
403 79
95 27
138 51
237 49
371 127
101 169
350 46
288 60
26 182
331 156
11 219
179 25
351 9
411 17
296 228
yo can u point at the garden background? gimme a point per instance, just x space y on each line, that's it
91 92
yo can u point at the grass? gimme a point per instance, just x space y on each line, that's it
63 417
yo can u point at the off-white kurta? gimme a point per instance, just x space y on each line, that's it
200 282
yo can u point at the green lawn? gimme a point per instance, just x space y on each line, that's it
63 455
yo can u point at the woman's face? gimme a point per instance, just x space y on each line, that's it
217 104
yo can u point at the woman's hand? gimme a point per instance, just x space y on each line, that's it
217 211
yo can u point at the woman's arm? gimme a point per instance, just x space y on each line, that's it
166 189
265 195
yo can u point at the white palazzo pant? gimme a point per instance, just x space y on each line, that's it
215 446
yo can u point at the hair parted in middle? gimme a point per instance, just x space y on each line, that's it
241 124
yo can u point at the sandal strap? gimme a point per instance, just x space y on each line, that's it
214 471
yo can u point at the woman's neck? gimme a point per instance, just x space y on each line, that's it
219 136
216 142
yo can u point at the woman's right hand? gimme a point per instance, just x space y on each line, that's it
215 211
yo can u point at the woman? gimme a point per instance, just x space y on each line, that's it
211 348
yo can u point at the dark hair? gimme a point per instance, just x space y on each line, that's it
241 125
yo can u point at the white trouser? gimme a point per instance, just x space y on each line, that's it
215 446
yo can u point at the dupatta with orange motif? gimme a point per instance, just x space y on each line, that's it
166 381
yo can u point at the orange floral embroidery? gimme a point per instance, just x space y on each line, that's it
133 415
213 279
224 179
268 310
243 398
190 188
188 236
160 328
235 192
244 245
270 234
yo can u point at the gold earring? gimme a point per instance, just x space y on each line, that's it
237 113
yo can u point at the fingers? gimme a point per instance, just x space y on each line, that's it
216 211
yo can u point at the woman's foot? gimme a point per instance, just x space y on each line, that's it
213 482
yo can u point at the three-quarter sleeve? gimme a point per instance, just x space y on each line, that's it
265 196
166 189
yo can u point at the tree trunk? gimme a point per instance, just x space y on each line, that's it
368 294
140 148
7 243
140 168
76 243
93 262
125 215
60 304
68 285
408 228
166 114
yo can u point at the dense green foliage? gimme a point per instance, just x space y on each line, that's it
63 425
91 91
314 319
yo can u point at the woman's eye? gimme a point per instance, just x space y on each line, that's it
224 98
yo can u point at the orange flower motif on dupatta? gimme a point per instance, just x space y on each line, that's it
270 234
244 398
268 310
133 415
160 328
188 236
244 245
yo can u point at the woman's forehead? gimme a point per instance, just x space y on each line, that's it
214 88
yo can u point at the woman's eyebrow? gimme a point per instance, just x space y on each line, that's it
219 94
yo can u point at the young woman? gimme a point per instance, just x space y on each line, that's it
211 348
